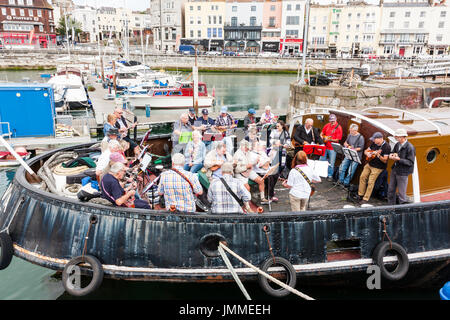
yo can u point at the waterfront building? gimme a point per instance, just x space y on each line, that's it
319 28
87 17
60 8
204 21
243 25
292 23
439 28
271 26
167 24
27 24
140 23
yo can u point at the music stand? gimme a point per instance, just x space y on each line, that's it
337 147
351 155
314 149
272 171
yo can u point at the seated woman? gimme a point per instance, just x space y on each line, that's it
261 166
195 153
113 191
109 124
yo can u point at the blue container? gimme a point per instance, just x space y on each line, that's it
28 109
147 110
445 291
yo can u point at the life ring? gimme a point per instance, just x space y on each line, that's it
403 262
291 276
6 250
70 273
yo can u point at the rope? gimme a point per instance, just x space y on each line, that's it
233 273
290 289
385 233
61 171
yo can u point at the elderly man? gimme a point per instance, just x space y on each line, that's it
121 124
306 134
215 159
227 194
113 191
377 154
180 127
112 134
244 167
249 119
192 116
354 141
403 155
179 187
331 132
225 121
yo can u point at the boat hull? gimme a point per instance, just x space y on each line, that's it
136 244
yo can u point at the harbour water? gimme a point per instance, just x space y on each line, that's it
23 280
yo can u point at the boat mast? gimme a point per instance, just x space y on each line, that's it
67 31
305 43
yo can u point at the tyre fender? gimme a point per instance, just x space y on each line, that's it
291 276
71 273
403 262
6 250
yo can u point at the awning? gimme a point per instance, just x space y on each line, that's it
252 44
241 44
231 44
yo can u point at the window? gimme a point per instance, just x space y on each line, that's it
209 32
220 19
439 37
253 21
358 15
199 8
234 8
191 20
297 7
22 12
199 20
406 24
289 7
199 33
214 19
234 21
318 40
20 2
392 14
13 12
421 24
192 33
407 14
4 11
41 28
420 38
348 27
39 13
191 8
209 19
443 14
349 15
388 49
357 27
214 32
253 8
272 22
219 32
292 33
422 14
356 38
441 24
272 8
292 20
13 2
29 2
391 24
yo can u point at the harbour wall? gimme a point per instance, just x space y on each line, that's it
48 59
409 95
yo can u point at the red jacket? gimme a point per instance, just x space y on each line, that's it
335 132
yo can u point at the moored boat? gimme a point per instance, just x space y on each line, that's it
325 246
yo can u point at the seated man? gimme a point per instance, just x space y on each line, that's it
179 187
306 134
113 191
180 126
377 154
112 134
261 164
121 124
215 159
222 201
244 167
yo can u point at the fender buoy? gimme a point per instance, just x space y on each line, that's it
71 274
403 262
6 250
290 281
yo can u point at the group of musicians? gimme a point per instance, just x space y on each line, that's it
258 162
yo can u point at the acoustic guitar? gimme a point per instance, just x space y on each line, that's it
372 155
215 168
326 139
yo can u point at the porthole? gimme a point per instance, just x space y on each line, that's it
432 155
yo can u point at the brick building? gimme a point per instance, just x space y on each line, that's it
26 24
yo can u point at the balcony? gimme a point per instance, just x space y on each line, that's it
242 27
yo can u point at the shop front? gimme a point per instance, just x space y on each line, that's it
216 45
270 46
291 45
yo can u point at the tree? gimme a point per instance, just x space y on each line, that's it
72 23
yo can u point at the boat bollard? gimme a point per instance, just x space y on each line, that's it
147 110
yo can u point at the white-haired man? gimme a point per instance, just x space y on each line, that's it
113 191
178 186
227 194
179 128
215 159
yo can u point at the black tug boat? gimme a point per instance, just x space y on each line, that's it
320 247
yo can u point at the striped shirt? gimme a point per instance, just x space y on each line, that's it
221 200
177 190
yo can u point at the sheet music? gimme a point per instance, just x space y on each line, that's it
351 155
146 161
320 167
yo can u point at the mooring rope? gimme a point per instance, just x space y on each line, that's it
283 285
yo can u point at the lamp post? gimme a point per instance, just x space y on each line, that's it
305 43
195 77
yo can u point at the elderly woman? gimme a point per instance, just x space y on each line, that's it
195 153
267 116
300 182
109 124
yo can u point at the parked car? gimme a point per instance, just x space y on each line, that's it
229 53
269 54
213 53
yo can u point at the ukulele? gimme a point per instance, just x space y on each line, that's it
372 154
326 139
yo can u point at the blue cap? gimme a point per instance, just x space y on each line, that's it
224 109
191 109
376 135
251 111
